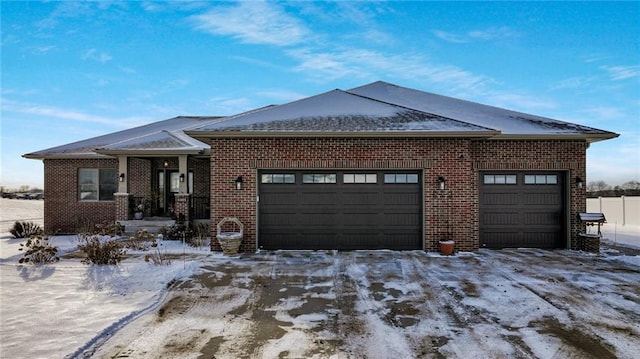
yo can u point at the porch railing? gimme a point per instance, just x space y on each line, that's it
200 207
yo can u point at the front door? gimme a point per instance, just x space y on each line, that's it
168 186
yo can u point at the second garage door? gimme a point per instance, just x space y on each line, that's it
522 209
344 210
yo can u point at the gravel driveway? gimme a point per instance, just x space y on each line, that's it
523 303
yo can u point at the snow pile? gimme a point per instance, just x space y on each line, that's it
83 303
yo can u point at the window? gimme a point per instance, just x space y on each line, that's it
400 178
278 178
500 179
319 178
360 178
541 179
97 184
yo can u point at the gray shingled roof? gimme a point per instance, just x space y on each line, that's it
376 109
166 137
383 109
339 112
509 123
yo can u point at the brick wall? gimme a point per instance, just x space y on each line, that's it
450 213
62 208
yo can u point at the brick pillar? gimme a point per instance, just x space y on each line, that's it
123 210
182 205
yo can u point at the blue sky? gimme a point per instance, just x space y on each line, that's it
74 70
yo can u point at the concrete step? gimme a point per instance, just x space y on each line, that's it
150 224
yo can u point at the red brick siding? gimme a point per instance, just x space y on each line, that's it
201 172
452 213
140 176
62 209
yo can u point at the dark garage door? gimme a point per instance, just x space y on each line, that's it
344 210
522 209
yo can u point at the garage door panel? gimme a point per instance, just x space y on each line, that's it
539 239
500 198
339 215
278 198
541 219
316 219
541 199
502 239
500 218
401 199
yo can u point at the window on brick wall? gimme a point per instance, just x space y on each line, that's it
97 184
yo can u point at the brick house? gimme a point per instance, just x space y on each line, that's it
378 166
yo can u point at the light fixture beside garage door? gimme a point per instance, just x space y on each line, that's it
579 182
441 183
239 182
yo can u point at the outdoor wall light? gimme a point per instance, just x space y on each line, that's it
239 182
121 177
165 164
441 182
579 182
182 177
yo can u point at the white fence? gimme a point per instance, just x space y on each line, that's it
621 210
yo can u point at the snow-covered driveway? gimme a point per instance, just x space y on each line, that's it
382 304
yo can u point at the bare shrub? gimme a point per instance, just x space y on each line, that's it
157 256
141 241
100 250
200 234
99 245
25 230
38 250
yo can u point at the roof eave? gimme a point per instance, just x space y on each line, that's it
64 156
343 134
589 138
154 152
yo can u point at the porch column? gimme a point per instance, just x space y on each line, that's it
122 197
123 165
184 173
183 201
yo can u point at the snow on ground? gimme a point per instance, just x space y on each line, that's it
627 235
523 303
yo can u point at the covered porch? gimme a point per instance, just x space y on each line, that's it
163 187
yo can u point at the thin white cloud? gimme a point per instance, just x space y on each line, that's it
575 82
519 101
254 23
258 62
595 57
491 33
617 73
282 96
10 106
362 63
95 55
38 50
229 105
604 112
450 37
